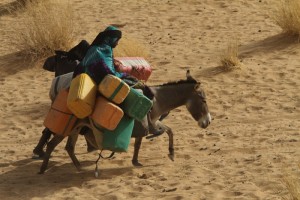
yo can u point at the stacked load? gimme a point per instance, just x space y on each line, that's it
59 83
60 119
112 107
82 95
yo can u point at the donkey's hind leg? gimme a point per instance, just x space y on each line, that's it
137 146
70 147
171 143
50 147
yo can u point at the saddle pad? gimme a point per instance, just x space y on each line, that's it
106 114
82 96
60 119
59 83
118 140
136 105
113 88
135 66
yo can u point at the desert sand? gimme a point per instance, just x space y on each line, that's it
252 143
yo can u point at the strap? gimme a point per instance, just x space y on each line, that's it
100 156
69 121
56 86
61 111
112 96
110 156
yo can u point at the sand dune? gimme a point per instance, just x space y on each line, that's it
252 143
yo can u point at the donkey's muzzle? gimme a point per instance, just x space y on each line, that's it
204 121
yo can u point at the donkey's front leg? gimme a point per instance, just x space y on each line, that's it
171 139
137 146
70 147
50 147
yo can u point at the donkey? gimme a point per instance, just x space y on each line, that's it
167 97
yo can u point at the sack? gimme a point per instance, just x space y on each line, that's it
60 120
50 64
78 52
60 63
137 67
113 88
59 83
82 96
106 114
118 140
136 105
64 65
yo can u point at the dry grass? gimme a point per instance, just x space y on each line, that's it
229 58
293 186
287 16
130 48
44 26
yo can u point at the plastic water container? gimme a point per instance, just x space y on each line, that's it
60 119
82 96
106 114
136 105
114 89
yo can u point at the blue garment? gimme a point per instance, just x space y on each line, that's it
98 61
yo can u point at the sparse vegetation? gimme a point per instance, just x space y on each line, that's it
44 26
293 186
287 16
229 58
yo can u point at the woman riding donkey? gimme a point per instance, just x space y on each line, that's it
97 63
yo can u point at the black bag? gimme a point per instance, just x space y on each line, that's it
64 62
50 63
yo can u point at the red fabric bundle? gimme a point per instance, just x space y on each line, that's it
137 67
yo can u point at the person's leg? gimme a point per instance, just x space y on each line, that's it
38 151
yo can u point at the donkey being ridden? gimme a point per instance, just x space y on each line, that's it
167 97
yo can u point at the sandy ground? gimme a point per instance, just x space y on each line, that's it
251 145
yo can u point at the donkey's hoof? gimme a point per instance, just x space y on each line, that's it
171 156
137 164
79 169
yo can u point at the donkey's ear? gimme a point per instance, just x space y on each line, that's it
197 86
188 74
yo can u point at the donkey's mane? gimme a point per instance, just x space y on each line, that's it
191 81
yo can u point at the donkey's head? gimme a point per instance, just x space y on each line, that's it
196 104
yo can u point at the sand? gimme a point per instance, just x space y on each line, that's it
252 143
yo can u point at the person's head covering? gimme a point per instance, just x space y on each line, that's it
109 36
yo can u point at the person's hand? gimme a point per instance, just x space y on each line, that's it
118 65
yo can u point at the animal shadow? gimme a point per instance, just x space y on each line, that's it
24 182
